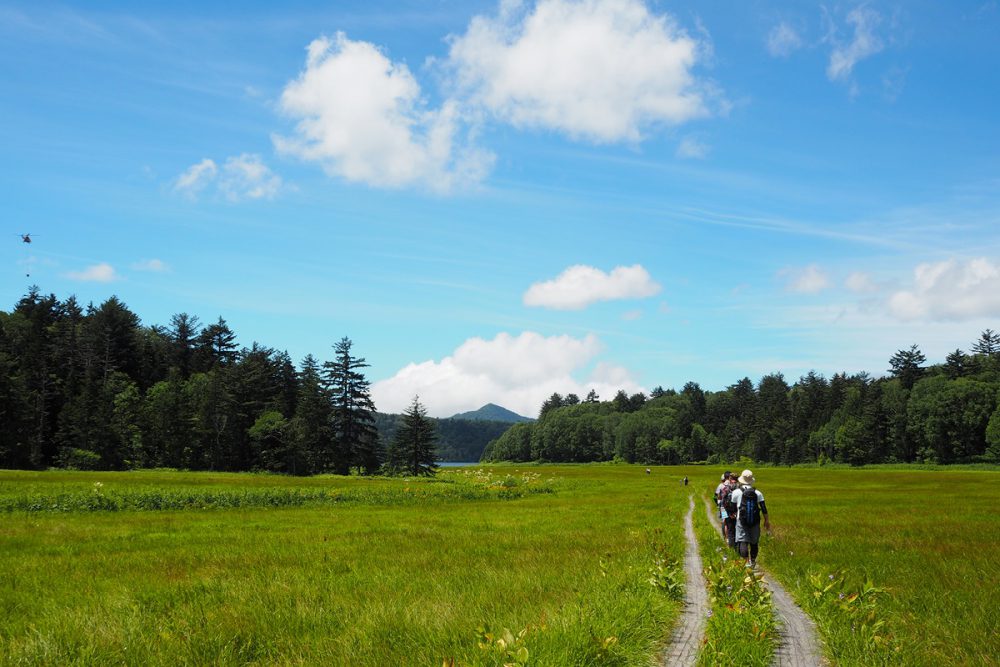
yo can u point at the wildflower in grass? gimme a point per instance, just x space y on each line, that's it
709 613
831 577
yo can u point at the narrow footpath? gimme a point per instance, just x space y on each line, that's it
797 643
687 639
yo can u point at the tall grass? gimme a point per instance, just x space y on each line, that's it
420 581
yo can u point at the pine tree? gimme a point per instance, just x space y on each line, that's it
354 434
956 364
907 366
413 449
988 343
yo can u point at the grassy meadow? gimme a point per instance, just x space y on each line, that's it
896 566
549 565
540 565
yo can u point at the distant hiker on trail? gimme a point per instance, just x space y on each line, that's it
685 480
749 509
728 510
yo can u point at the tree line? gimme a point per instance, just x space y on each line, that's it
941 413
92 388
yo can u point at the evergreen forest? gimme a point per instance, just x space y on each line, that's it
940 413
93 388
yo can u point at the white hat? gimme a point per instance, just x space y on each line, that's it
747 478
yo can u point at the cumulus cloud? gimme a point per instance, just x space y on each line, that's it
783 40
808 280
950 290
864 43
152 265
861 283
241 177
602 70
363 118
580 286
690 147
517 372
98 273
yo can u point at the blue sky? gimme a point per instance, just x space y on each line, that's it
499 201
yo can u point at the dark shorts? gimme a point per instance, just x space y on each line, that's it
748 535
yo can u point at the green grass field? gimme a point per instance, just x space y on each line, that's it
407 575
275 570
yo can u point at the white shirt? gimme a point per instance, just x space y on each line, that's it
737 496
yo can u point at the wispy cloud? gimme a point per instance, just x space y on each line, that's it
808 280
692 148
783 40
151 265
580 286
242 177
863 43
98 273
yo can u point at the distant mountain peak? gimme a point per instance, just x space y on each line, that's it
492 412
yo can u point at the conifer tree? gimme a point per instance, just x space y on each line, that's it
354 434
988 343
413 449
907 365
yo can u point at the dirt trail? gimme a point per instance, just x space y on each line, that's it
797 643
686 642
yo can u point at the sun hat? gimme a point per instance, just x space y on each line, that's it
747 478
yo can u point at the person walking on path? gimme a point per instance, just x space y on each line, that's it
728 510
750 508
718 492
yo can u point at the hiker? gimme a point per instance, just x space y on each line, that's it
685 480
728 510
749 509
718 492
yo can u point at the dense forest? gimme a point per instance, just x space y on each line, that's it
943 413
92 388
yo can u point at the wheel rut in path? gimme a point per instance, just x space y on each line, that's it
797 643
687 639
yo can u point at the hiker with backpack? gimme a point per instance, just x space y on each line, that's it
718 492
750 508
728 510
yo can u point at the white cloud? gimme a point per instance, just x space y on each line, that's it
153 265
98 273
864 43
692 148
783 40
861 282
363 118
808 280
950 290
517 372
247 177
632 315
195 178
242 177
580 286
602 70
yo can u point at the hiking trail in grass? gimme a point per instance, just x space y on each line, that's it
797 643
687 639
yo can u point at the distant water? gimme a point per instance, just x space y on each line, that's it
457 464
